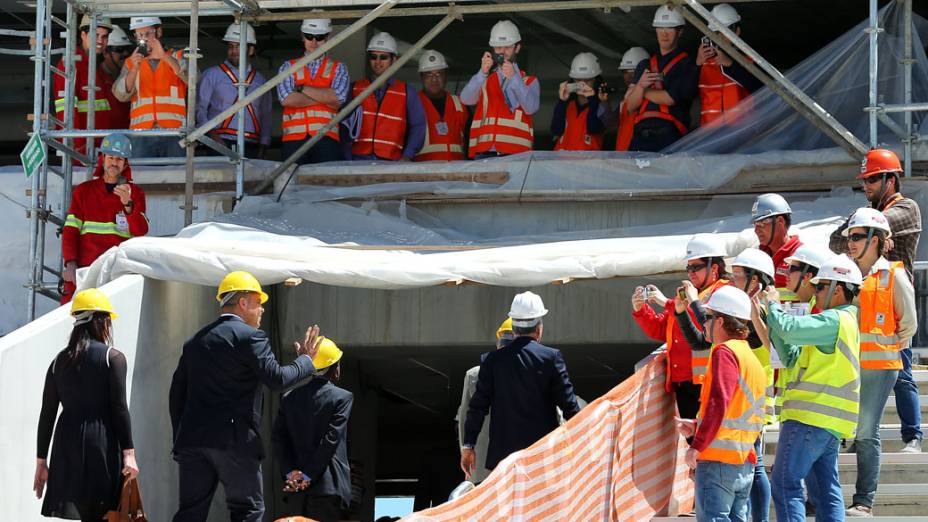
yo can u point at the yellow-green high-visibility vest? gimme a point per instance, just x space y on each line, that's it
763 355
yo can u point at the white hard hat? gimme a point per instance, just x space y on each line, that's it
769 205
138 22
704 245
101 22
432 61
504 33
232 34
667 16
811 255
867 217
726 14
118 38
839 268
731 301
316 26
527 309
756 260
585 66
632 58
382 42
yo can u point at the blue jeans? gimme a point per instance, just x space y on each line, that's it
875 386
760 491
802 450
722 491
910 411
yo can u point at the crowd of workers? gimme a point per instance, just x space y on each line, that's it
142 86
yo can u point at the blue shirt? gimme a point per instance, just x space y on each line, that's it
215 93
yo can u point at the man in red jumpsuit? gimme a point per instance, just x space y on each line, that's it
104 211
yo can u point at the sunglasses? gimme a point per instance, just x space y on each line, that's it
379 57
876 178
796 268
695 268
710 317
821 286
857 236
316 37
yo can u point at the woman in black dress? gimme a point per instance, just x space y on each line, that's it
93 437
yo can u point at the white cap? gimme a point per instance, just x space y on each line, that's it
667 16
316 26
138 22
755 259
232 34
726 14
867 217
527 309
432 61
704 245
632 58
504 33
382 42
585 66
118 38
731 301
839 268
811 255
101 22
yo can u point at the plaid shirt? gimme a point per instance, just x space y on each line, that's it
905 220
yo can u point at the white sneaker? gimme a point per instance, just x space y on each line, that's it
858 511
913 446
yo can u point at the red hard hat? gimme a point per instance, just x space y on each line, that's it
879 161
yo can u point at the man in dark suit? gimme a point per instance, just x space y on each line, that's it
216 401
310 439
521 385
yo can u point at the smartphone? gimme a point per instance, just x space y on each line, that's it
660 76
681 294
143 48
708 42
121 180
575 87
498 58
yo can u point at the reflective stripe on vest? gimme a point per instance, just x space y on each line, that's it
744 417
158 101
99 104
450 145
95 227
226 126
763 356
302 122
575 135
663 112
719 94
825 390
383 124
879 344
496 126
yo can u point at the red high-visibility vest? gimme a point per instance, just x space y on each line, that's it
383 126
300 123
159 98
226 126
719 94
444 138
497 127
663 111
626 128
575 135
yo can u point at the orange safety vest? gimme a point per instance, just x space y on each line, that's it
575 135
226 126
879 344
700 358
158 101
383 126
300 123
663 111
744 417
497 127
444 137
719 94
626 128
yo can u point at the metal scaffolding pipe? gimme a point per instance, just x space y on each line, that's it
242 88
806 106
37 110
873 32
907 61
70 75
100 133
192 54
281 76
91 85
904 107
348 109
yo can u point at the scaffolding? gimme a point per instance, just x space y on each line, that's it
44 121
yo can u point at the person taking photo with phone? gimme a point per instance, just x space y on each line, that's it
577 121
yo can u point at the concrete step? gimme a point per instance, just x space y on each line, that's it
891 414
889 435
921 378
895 468
895 499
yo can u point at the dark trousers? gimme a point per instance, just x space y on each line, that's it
252 149
326 508
687 396
653 135
324 150
202 469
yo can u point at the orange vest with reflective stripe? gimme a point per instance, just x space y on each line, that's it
300 123
719 94
879 345
495 127
700 358
575 136
744 417
383 126
158 101
447 145
626 128
663 111
226 126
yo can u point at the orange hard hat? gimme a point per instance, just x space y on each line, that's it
879 161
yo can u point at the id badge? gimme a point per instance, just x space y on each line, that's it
441 128
122 223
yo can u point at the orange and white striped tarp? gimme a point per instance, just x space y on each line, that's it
620 458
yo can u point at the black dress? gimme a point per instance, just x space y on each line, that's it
84 473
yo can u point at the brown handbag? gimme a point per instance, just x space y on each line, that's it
130 504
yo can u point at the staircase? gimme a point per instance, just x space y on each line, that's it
902 495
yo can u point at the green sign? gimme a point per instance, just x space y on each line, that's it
33 155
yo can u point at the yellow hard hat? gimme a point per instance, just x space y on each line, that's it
328 354
504 328
240 282
92 300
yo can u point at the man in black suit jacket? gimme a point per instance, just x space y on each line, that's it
521 385
216 401
310 439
